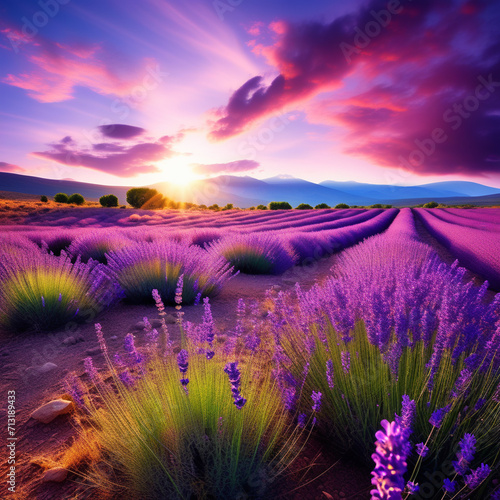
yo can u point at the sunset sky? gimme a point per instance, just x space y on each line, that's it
119 92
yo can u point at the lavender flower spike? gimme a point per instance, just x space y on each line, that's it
316 397
182 362
235 379
438 416
390 462
329 373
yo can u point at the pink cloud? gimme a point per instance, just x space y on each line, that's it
9 167
58 69
120 158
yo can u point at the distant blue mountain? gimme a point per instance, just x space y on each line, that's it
247 191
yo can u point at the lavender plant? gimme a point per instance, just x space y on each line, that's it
157 265
43 292
261 253
96 244
170 436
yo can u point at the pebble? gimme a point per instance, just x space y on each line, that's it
49 411
139 325
93 351
69 341
57 475
114 337
156 323
39 370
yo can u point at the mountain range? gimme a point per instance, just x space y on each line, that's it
247 191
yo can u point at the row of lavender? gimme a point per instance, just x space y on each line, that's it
51 277
472 236
394 335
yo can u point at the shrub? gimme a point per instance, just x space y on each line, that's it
257 253
108 200
44 199
431 204
76 199
376 205
142 267
261 207
61 198
280 205
395 321
304 206
387 206
229 206
43 292
322 205
136 197
202 207
52 241
343 205
251 208
187 425
96 244
214 207
158 202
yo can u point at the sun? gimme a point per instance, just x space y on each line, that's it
179 174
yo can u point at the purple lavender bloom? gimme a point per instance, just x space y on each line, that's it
466 454
129 347
289 397
412 487
126 379
76 390
422 450
477 476
60 297
390 462
152 338
346 361
316 397
118 361
408 412
438 415
301 420
159 303
182 361
208 321
100 338
209 354
449 486
480 403
252 342
197 299
462 383
43 302
235 379
147 324
178 291
329 373
90 369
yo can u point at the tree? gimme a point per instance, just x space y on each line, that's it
280 205
322 205
342 205
431 204
304 206
108 200
229 206
76 199
61 198
44 198
261 207
136 197
214 207
387 206
377 205
158 202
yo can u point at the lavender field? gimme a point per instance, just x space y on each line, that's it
193 354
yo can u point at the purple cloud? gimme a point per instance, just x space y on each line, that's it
122 159
119 131
227 168
403 74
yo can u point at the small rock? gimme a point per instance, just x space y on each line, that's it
49 411
139 325
80 338
156 323
170 319
114 337
39 370
69 341
93 351
57 475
